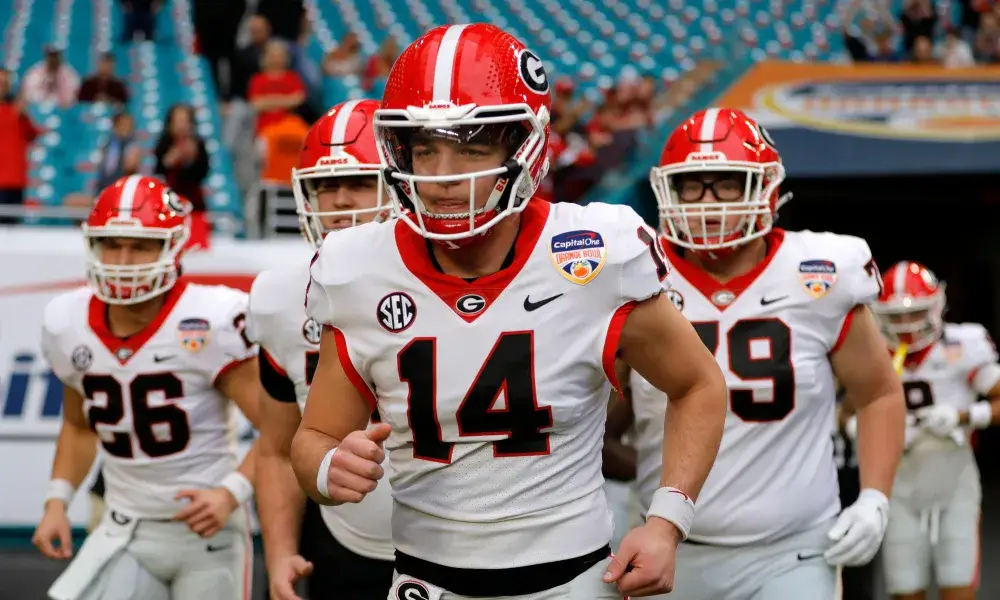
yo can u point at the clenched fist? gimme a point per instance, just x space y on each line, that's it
356 466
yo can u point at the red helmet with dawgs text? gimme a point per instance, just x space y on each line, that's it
467 84
142 208
911 308
718 141
341 143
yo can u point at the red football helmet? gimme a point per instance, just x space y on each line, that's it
717 140
911 307
341 143
465 83
136 207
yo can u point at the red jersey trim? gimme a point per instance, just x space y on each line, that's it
413 252
611 341
352 373
845 328
97 318
271 361
709 286
229 367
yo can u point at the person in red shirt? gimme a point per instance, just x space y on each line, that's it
275 91
16 134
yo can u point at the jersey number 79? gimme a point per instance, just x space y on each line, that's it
509 368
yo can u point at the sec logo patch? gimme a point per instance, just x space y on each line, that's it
396 312
578 255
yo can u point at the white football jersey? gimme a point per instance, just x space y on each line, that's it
496 389
772 331
151 398
289 340
947 373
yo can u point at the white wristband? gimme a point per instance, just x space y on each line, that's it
324 474
60 489
981 414
673 505
239 486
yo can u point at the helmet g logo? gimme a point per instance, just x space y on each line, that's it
766 136
532 72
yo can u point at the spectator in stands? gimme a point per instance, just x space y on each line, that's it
140 19
181 158
285 17
918 19
956 51
309 72
217 24
278 146
345 59
16 134
121 155
923 51
247 63
378 65
567 111
276 90
51 80
987 41
103 86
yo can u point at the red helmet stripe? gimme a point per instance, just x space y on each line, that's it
339 131
444 64
128 196
708 130
899 278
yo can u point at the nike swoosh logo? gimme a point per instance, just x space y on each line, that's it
159 359
769 301
809 555
530 306
212 548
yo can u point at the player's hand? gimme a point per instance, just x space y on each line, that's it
859 530
356 466
938 419
209 510
644 564
285 573
54 527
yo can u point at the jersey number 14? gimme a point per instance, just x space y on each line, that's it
509 368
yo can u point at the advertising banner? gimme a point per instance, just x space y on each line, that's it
37 265
875 119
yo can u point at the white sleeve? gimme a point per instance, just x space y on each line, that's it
59 362
228 345
260 319
318 304
861 277
644 266
981 354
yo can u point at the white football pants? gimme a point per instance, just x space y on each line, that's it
586 586
165 560
933 521
771 571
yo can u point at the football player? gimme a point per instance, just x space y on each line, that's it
934 521
150 363
346 550
784 313
483 325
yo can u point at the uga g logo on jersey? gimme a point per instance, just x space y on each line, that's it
818 276
396 312
578 255
470 304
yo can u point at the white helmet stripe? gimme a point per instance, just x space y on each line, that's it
340 127
444 65
899 279
708 129
128 196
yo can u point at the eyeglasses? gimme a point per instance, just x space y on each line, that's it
693 190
